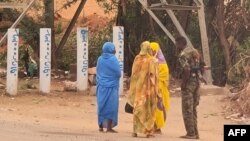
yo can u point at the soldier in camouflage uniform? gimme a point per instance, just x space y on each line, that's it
189 59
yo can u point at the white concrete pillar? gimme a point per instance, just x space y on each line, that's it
12 61
45 60
118 40
82 59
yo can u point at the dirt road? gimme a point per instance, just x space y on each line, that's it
72 117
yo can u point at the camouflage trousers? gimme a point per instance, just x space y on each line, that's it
190 101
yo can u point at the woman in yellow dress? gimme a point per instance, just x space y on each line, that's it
143 91
163 107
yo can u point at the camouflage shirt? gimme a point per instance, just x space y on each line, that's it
186 57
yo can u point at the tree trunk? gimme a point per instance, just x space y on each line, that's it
70 27
120 21
49 21
1 16
211 16
123 4
121 14
185 15
221 31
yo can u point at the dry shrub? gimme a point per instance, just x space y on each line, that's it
240 99
244 100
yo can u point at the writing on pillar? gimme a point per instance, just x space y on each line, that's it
84 36
47 41
120 47
14 65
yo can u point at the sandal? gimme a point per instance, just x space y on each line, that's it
101 130
134 135
111 131
150 136
158 131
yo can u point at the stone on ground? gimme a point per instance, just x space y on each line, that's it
70 86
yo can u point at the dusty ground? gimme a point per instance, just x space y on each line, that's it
64 116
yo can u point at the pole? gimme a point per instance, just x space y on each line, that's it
150 12
204 41
177 24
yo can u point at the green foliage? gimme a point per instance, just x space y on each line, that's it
68 54
193 31
21 52
240 72
108 5
29 27
245 47
3 59
67 4
96 40
68 57
217 63
59 28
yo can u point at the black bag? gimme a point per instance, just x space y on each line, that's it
129 109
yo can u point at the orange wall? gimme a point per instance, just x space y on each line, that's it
90 8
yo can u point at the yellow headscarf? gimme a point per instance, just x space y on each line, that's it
155 46
145 48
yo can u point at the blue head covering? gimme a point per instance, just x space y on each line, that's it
108 50
108 47
108 68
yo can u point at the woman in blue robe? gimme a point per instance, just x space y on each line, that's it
108 76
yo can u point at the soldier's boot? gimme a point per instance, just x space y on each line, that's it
196 123
197 133
197 136
188 137
196 103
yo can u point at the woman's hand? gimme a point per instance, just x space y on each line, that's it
160 105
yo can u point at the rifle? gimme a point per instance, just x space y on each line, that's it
198 71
